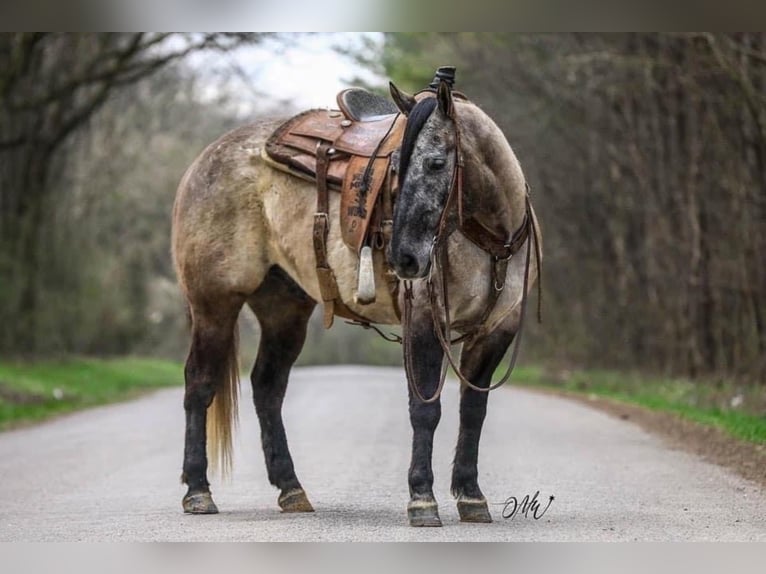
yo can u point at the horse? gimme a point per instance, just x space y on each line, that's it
242 235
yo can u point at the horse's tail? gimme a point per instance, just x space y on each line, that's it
222 413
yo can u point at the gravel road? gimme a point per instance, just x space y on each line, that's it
112 473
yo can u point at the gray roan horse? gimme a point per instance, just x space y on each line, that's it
463 227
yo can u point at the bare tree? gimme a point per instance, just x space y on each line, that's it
51 84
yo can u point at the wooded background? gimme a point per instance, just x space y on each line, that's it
646 154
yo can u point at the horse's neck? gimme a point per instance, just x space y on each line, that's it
493 182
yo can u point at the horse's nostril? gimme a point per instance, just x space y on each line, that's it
408 264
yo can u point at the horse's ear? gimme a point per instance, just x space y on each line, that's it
403 100
444 97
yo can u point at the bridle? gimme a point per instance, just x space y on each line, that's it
499 248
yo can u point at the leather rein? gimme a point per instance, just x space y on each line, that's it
500 249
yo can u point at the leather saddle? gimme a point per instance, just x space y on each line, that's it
359 140
348 150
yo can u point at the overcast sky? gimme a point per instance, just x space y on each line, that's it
306 71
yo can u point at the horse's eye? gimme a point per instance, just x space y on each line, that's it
435 163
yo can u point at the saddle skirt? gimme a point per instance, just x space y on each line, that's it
358 164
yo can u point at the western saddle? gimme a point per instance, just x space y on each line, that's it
350 150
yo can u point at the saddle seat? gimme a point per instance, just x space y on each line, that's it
361 105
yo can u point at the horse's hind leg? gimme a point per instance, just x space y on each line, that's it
478 362
283 310
209 370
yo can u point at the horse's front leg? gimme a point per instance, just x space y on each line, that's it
426 360
478 361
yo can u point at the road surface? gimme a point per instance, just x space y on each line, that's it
112 473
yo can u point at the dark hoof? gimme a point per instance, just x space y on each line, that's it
199 503
473 510
294 500
423 513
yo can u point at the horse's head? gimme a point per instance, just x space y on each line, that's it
426 169
492 188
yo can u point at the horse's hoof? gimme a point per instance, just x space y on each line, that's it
294 500
423 513
473 510
199 503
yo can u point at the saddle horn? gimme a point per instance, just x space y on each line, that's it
444 74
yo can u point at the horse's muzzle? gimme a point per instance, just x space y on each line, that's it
408 266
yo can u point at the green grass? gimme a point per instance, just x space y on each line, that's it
35 391
738 410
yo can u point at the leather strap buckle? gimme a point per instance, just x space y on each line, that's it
509 249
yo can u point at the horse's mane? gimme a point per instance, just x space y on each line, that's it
415 122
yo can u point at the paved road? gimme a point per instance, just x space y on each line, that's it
111 474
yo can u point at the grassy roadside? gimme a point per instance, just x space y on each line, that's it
35 391
740 411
